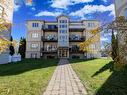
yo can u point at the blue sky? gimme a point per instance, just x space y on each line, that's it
102 10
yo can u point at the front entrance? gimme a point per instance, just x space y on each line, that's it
63 53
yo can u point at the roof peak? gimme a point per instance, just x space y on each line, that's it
62 15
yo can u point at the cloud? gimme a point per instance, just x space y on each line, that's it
16 7
33 8
105 0
81 1
47 13
90 9
104 39
29 2
60 3
19 3
64 3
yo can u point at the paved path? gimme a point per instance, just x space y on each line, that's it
64 81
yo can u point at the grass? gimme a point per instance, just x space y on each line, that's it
28 77
99 77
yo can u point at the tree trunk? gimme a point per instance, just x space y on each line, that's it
122 45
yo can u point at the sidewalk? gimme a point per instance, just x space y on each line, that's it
65 81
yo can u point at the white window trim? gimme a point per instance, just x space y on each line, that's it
35 35
34 46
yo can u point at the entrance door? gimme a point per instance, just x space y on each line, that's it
63 53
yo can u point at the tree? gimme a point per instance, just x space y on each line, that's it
11 48
106 51
22 47
119 42
4 42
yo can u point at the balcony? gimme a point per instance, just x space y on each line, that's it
76 28
49 50
49 39
76 39
75 49
50 28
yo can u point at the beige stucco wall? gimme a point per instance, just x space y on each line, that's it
29 35
29 48
28 54
29 25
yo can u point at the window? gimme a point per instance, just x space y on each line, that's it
51 47
35 35
126 13
33 55
35 24
63 26
63 37
52 26
34 46
63 21
63 31
91 25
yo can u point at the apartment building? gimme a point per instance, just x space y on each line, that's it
60 38
6 15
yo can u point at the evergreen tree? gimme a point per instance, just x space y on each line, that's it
22 47
11 48
114 46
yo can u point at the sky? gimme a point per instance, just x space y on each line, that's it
102 10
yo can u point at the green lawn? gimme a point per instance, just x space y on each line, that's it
29 77
99 77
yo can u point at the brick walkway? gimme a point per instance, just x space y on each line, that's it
64 81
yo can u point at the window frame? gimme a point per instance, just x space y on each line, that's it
34 45
35 35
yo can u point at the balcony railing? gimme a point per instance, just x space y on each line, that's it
77 39
75 49
51 39
49 50
76 28
48 28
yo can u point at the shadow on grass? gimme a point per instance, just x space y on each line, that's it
108 66
76 61
116 84
26 65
